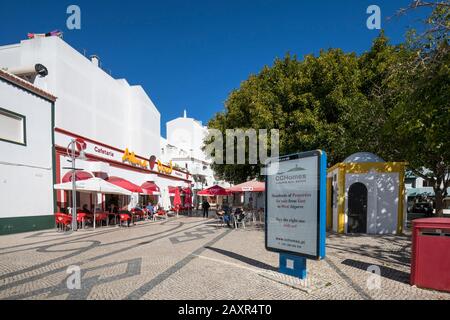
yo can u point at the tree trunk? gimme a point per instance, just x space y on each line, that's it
439 201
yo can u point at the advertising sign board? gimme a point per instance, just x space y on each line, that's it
295 204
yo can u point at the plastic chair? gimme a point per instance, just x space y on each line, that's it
81 219
242 221
220 219
63 221
124 217
99 218
160 214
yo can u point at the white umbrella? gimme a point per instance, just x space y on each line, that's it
165 198
93 185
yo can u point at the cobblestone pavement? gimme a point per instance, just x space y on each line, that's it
193 258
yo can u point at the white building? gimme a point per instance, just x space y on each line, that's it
118 122
26 156
184 145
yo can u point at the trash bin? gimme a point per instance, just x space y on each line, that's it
430 260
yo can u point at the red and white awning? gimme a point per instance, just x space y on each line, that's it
130 186
172 191
79 176
150 188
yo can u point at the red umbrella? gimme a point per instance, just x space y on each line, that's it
214 191
177 200
187 197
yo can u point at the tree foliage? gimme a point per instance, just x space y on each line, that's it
391 100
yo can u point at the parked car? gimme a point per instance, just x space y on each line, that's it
425 208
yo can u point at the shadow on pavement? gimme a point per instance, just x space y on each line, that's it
247 260
386 272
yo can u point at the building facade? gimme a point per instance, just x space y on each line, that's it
27 157
118 122
183 147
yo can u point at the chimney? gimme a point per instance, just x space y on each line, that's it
95 60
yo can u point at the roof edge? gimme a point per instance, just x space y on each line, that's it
26 85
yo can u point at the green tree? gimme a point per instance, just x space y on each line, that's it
308 101
417 125
391 100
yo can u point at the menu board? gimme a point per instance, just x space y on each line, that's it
293 205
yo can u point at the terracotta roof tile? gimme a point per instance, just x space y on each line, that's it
26 85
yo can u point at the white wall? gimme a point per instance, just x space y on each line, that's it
187 134
90 102
26 173
382 200
183 156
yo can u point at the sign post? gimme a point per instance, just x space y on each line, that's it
295 209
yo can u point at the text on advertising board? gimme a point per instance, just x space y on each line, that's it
295 218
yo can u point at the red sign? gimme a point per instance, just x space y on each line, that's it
80 144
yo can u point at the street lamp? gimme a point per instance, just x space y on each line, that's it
75 145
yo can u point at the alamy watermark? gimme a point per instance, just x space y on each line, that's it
374 20
73 22
73 281
374 277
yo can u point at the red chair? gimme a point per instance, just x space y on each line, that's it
100 217
138 214
160 214
63 221
82 218
124 217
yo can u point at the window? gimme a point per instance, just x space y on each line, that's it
12 127
425 183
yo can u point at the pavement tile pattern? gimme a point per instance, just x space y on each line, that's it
194 258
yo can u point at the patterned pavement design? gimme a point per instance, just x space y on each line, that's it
193 258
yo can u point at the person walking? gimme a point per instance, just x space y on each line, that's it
205 206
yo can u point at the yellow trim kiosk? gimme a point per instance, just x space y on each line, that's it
365 194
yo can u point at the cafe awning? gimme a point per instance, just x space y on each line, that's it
150 188
214 191
79 176
125 184
93 185
249 186
172 191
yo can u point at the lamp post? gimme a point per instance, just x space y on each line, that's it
71 152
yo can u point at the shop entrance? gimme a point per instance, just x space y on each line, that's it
357 208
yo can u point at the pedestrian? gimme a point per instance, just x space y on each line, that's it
205 207
151 209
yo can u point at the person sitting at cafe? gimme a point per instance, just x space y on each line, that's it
150 209
239 214
86 209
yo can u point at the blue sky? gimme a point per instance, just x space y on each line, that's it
192 54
